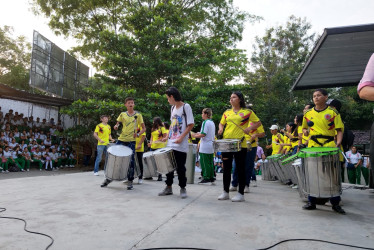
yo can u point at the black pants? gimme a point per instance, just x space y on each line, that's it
180 158
139 155
227 158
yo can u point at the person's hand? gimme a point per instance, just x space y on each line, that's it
101 141
134 135
220 131
116 127
138 147
112 140
178 140
268 146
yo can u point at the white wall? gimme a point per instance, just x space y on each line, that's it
35 110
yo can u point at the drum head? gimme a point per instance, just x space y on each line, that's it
120 150
162 151
148 154
317 152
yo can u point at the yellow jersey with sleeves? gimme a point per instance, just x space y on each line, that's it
138 139
103 131
324 122
294 141
129 126
236 122
258 130
157 136
305 138
166 142
275 143
287 140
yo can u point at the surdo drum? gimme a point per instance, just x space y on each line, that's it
227 145
117 162
165 161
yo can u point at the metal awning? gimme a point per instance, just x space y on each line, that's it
338 59
8 92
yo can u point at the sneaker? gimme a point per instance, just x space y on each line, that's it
167 191
183 193
295 187
7 171
338 209
125 181
40 169
57 168
309 206
246 189
254 184
96 173
105 183
129 185
140 181
238 198
28 170
224 196
159 178
204 181
232 188
213 183
22 170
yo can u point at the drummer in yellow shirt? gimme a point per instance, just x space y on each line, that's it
236 122
323 121
276 140
103 136
159 136
139 150
130 121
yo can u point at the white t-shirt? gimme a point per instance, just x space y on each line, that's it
206 143
365 161
178 126
353 158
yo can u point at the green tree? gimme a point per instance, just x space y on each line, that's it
147 44
14 59
278 59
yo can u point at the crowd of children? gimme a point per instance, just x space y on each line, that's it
25 143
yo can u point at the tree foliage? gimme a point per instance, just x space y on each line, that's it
278 59
15 59
147 44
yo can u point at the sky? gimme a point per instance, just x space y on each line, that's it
320 13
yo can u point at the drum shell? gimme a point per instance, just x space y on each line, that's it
266 172
149 165
117 167
322 176
279 171
299 170
165 161
227 145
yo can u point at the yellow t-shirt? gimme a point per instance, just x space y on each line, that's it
287 140
259 130
294 140
137 140
305 138
103 132
166 142
242 119
157 136
323 122
128 125
275 143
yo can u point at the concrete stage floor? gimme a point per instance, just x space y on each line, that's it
79 214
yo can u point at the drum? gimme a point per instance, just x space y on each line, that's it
117 162
165 161
321 168
137 171
277 169
227 145
265 171
288 166
149 165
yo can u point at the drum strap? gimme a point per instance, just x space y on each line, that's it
316 137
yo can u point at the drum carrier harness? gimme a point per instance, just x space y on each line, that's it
327 137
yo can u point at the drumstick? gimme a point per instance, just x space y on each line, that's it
135 124
343 155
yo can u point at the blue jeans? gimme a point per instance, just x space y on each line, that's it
294 151
249 167
100 150
130 144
